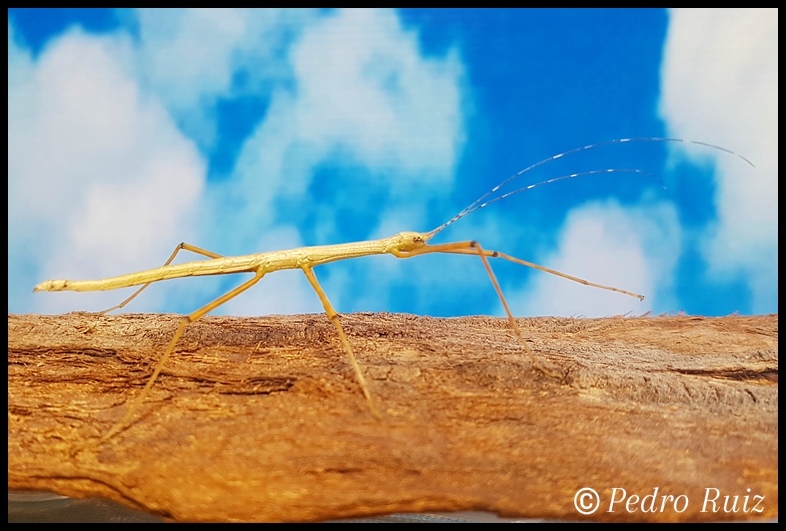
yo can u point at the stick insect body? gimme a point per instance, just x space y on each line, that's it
401 245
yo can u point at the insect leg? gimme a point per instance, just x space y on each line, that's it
181 245
333 316
497 254
474 248
190 318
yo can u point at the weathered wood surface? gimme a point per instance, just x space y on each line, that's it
261 418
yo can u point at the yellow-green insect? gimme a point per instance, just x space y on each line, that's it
401 245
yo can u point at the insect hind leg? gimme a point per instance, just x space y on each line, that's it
181 246
185 321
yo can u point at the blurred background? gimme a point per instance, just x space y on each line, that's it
239 131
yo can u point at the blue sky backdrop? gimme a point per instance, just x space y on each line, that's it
244 131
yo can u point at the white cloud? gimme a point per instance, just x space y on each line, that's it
100 180
632 248
364 87
105 176
190 58
362 96
720 84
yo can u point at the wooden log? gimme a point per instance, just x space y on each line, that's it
262 419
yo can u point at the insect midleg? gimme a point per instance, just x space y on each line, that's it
180 246
333 316
190 318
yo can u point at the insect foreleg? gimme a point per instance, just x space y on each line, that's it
474 248
497 254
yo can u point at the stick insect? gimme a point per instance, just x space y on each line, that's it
401 245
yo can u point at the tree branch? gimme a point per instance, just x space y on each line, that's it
262 419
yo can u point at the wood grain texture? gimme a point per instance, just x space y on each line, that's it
262 419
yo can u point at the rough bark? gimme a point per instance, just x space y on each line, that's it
262 419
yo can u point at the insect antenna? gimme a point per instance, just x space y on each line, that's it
479 202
